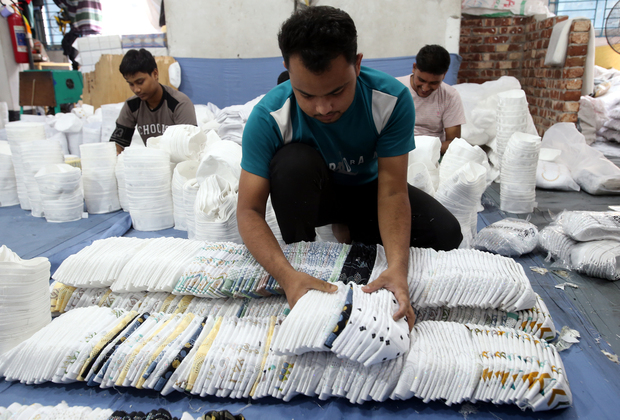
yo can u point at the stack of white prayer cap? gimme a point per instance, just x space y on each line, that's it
512 116
190 191
148 185
120 180
182 172
518 173
461 194
183 142
216 211
60 187
24 297
71 125
221 158
109 115
91 133
8 183
35 155
17 133
99 177
459 153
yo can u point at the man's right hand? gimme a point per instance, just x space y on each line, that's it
298 284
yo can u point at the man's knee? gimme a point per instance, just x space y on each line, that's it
451 235
296 160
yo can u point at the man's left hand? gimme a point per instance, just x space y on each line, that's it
397 284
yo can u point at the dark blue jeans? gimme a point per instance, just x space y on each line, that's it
305 196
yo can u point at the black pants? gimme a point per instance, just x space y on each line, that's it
305 196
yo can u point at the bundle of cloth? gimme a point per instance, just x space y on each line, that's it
599 116
588 242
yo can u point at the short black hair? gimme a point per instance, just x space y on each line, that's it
433 59
283 77
318 35
137 61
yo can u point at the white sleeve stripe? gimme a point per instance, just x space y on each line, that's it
282 117
382 107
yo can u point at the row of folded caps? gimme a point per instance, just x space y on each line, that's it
186 352
536 320
445 278
24 299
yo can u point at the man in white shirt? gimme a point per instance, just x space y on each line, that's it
438 107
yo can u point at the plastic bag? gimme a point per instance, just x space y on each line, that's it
597 259
591 225
509 237
594 173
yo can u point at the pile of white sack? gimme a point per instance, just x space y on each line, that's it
588 242
599 116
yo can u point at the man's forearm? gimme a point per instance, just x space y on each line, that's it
394 214
263 245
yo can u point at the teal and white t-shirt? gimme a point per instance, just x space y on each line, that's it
379 123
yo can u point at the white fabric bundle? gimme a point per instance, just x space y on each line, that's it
508 237
461 194
99 177
182 173
19 132
518 173
71 125
460 153
427 151
60 186
148 186
109 115
215 211
119 171
454 279
61 139
419 177
183 142
91 133
24 297
99 264
156 266
594 173
232 120
8 182
597 259
221 158
591 225
35 155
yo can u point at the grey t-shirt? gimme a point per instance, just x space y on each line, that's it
175 108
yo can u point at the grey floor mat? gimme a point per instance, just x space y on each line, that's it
597 299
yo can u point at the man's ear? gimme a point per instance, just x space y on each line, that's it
155 74
358 63
284 64
414 67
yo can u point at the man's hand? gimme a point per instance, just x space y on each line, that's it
397 284
298 284
119 149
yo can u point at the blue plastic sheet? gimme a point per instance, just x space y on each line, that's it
595 380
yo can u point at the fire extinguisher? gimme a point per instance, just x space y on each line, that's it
19 37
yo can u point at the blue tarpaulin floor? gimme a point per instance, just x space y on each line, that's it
593 310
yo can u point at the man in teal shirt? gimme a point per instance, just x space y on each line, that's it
331 146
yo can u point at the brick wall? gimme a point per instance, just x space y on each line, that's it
516 46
